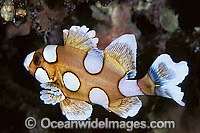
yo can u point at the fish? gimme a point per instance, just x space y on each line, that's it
78 75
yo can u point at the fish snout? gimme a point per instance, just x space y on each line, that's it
28 60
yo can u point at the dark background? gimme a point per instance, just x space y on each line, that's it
43 24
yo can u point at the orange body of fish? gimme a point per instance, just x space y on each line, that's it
78 75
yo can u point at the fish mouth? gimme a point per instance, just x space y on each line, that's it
28 60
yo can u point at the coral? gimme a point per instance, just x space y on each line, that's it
143 5
8 10
41 17
23 29
151 9
117 19
14 11
168 20
70 6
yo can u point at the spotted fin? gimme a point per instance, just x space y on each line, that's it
75 109
166 75
51 94
130 75
128 106
80 37
172 92
164 71
93 62
124 50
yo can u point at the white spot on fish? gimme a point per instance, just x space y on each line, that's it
129 88
42 76
98 96
28 60
93 62
49 53
71 81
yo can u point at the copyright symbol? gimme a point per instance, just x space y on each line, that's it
30 122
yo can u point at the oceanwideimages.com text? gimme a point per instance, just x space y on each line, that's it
46 123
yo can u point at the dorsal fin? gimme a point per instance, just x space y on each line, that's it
80 37
123 50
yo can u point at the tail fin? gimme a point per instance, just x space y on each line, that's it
166 75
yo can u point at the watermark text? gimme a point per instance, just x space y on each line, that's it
46 123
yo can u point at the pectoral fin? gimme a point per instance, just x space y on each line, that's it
128 106
51 94
75 109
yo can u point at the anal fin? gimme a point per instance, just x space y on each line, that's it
128 106
75 109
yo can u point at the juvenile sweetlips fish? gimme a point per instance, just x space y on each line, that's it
78 75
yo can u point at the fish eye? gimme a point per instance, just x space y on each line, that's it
37 60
